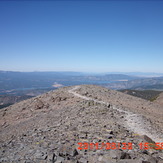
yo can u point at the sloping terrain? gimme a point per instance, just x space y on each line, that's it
9 100
159 99
150 95
48 128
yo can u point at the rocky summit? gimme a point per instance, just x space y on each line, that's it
82 124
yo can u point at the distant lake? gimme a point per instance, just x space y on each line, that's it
71 83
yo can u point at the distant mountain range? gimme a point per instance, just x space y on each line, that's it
155 83
140 74
41 80
14 82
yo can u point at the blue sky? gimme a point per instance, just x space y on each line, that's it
87 36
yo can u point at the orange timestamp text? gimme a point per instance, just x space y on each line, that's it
118 145
106 146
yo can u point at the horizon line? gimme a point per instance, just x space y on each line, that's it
84 71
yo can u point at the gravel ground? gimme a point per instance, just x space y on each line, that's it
48 128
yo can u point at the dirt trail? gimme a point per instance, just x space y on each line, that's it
133 122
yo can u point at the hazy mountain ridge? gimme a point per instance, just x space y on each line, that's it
42 80
146 83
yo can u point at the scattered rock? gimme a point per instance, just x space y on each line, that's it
147 139
31 133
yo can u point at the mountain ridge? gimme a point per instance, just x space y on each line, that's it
39 128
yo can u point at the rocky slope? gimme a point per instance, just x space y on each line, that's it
9 100
160 99
48 128
150 95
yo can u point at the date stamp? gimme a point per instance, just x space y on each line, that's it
118 145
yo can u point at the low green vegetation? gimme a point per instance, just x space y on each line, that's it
5 105
153 99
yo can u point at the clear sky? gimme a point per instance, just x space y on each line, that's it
87 36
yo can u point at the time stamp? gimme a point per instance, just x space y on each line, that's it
115 145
